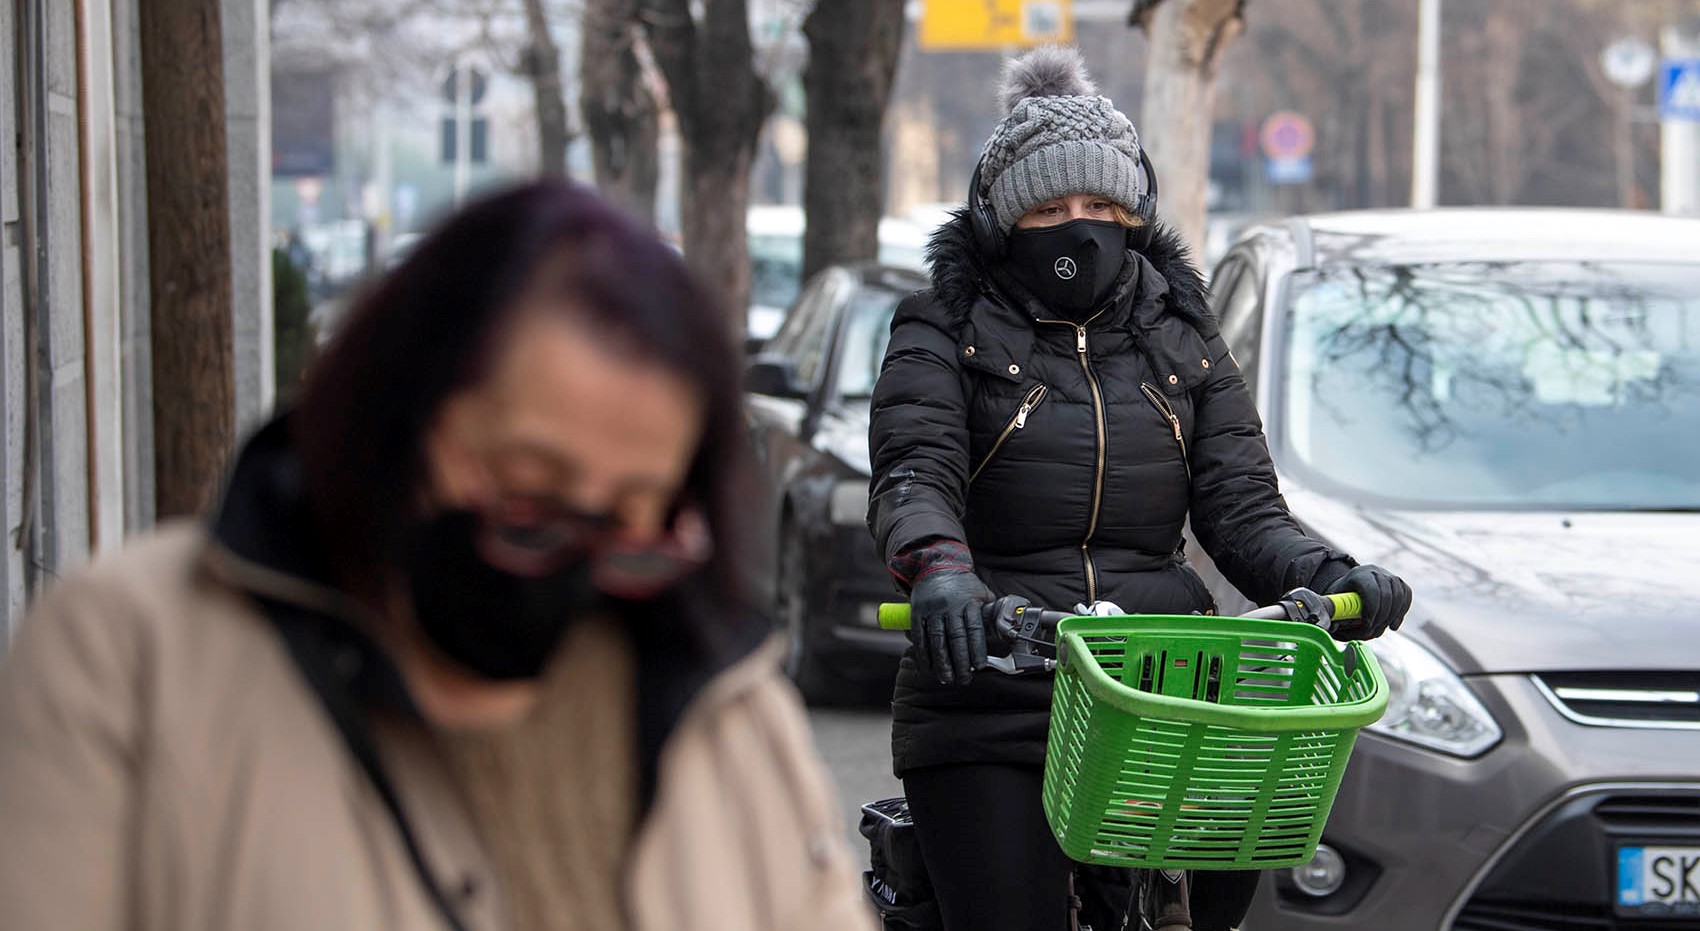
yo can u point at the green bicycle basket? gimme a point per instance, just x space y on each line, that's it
1197 742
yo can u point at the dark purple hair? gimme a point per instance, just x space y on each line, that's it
429 328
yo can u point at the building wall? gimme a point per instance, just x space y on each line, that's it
136 352
11 339
86 115
61 412
247 106
102 241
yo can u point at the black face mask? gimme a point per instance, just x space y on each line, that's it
1071 267
497 624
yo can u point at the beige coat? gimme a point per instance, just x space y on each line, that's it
164 768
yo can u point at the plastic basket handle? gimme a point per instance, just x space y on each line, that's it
894 615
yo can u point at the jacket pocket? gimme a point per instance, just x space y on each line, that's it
1017 421
1168 413
1179 356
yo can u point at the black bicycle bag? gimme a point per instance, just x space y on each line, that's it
897 884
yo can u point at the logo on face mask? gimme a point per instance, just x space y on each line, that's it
1065 268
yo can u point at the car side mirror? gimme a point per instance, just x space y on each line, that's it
773 375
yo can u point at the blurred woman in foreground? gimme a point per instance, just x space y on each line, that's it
464 646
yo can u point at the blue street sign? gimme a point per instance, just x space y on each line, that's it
1679 89
1289 170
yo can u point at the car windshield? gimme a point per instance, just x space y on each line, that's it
1515 385
776 269
867 329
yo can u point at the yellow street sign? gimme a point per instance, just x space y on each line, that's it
962 25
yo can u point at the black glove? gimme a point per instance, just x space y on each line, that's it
1386 598
946 608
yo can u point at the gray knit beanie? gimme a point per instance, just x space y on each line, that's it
1058 137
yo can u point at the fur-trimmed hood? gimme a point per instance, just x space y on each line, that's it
960 276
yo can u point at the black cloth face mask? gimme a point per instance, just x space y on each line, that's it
497 624
1070 267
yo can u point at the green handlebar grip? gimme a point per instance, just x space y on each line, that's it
894 615
1347 606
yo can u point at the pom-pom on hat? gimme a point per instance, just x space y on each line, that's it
1058 137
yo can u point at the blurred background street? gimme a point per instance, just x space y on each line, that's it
856 743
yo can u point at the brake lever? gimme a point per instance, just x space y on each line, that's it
1017 663
1019 627
1004 617
1307 607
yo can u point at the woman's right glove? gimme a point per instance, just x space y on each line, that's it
946 607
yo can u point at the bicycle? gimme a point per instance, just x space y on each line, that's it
1187 742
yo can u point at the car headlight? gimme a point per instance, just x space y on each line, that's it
849 504
1428 705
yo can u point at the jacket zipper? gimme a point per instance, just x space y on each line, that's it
1016 422
1158 401
1098 479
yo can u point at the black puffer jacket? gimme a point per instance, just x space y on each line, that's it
1068 458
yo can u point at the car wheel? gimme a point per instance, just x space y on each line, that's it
793 611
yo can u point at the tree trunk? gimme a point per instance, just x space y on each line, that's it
853 51
1376 154
620 113
543 66
1186 39
194 389
721 104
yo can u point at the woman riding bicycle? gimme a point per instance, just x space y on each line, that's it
1049 414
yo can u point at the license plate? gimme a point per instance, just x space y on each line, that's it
1658 880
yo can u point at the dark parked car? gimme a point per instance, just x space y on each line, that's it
1504 407
809 390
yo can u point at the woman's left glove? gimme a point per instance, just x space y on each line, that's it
1386 598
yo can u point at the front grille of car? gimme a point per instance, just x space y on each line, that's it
1631 812
1510 915
1559 875
1625 699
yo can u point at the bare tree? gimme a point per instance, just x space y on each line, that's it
621 114
1186 39
1523 114
720 102
188 251
1348 66
853 50
542 64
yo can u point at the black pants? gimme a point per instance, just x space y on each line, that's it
995 865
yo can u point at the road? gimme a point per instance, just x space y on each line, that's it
856 743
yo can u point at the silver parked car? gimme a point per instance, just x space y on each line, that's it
1504 407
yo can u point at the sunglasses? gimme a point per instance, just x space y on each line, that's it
534 537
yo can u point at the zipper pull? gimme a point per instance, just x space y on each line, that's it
1080 339
1176 423
1021 414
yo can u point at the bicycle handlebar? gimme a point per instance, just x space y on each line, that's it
1344 606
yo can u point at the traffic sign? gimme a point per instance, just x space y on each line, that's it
963 25
1679 89
1287 136
1288 170
1628 62
451 86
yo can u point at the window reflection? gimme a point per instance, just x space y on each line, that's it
867 330
1505 384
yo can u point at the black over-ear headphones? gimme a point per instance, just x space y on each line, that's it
993 241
